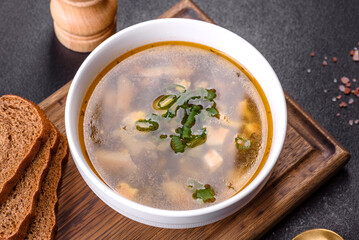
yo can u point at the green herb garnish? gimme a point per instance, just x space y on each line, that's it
176 144
196 140
211 94
192 103
213 112
164 102
242 143
146 125
203 192
163 136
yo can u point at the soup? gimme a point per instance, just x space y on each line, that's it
175 125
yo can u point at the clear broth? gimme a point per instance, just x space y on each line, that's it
143 167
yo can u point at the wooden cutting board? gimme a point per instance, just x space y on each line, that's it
310 157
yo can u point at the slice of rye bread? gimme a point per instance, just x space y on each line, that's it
43 226
23 128
17 212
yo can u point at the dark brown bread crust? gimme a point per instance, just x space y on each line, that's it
43 225
9 183
19 209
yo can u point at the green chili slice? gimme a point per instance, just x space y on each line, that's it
146 125
242 143
177 144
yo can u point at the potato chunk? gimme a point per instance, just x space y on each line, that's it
115 161
132 117
244 111
124 96
126 190
177 194
216 136
213 160
250 128
184 83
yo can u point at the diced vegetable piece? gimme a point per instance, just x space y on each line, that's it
115 161
242 143
177 193
177 144
122 98
184 84
250 128
216 136
146 125
213 160
126 190
131 119
244 110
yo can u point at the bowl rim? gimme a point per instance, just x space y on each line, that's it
85 169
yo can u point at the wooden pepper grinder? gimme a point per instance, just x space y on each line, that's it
81 25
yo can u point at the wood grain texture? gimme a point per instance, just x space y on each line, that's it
310 156
81 25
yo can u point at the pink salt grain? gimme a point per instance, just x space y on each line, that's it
325 63
356 56
351 122
347 91
341 88
345 80
343 104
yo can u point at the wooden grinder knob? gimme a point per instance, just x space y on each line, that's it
81 25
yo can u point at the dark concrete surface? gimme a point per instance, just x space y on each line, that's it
33 64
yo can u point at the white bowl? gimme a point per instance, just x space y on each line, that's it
175 30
